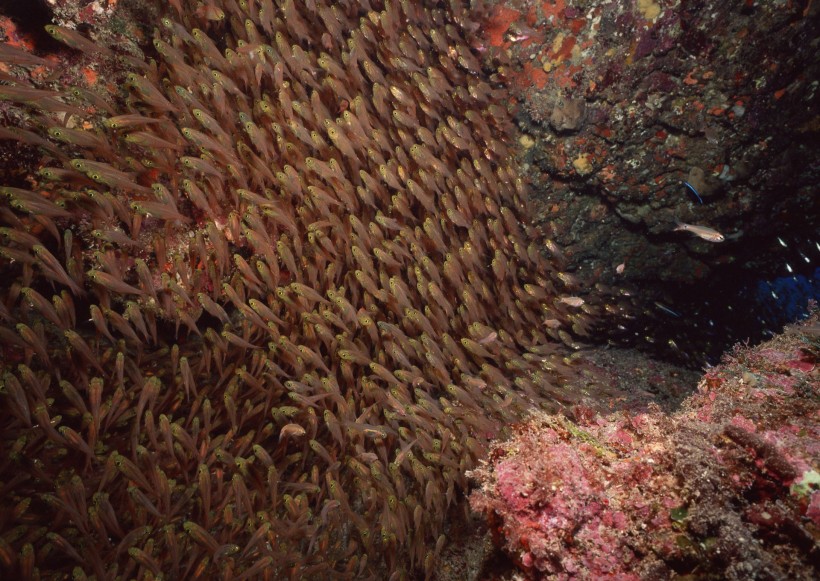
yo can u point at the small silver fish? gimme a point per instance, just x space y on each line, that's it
667 310
572 301
701 232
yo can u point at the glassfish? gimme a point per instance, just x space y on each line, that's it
704 232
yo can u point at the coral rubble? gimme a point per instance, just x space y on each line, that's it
269 297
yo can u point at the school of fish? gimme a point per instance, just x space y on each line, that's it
265 306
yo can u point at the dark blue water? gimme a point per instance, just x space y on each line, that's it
786 299
694 325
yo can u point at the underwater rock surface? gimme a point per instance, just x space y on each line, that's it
727 487
622 104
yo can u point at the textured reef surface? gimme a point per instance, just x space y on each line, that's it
269 293
728 487
273 284
621 104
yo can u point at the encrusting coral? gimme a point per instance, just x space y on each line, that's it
727 487
267 304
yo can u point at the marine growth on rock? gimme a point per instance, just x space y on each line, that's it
266 302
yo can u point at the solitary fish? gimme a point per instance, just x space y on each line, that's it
701 231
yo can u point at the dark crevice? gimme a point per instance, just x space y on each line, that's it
30 17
